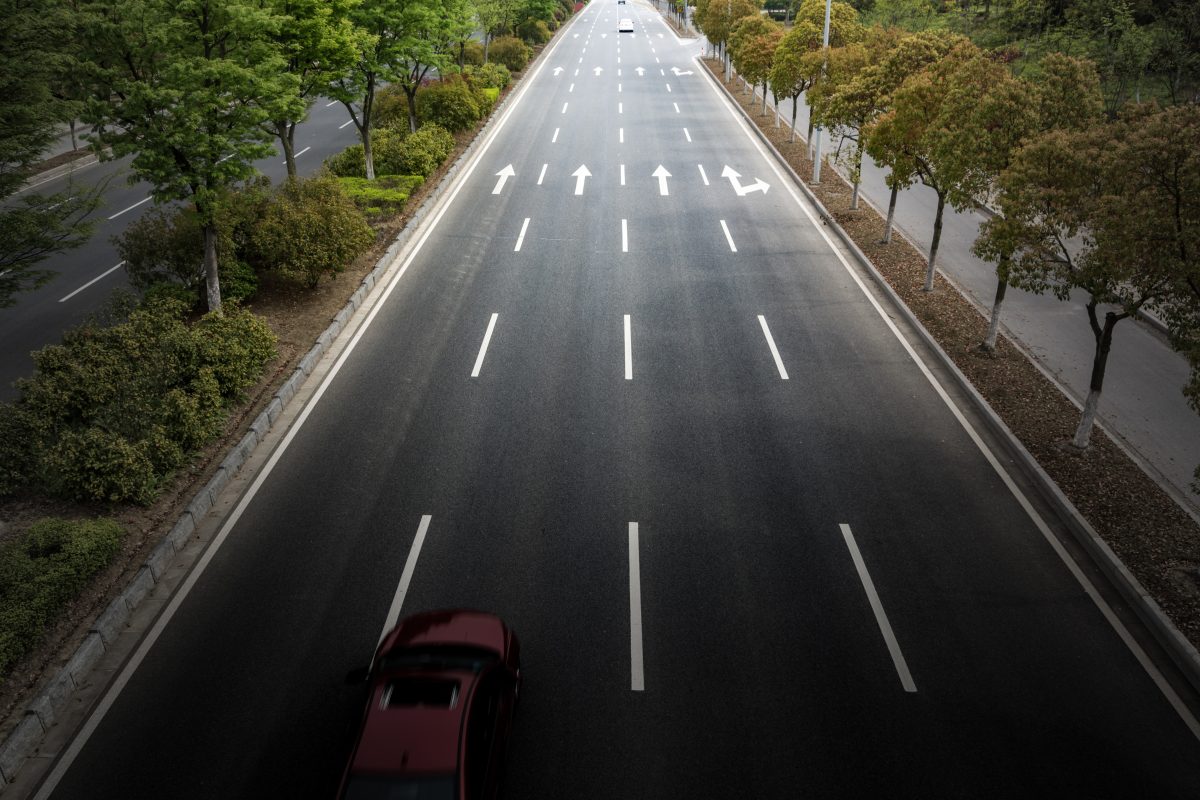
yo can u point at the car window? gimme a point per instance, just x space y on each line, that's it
382 787
438 658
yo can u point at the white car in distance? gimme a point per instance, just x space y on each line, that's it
625 26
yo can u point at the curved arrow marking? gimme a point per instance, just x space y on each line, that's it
759 184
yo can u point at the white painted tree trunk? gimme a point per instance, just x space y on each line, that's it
891 216
211 279
1083 434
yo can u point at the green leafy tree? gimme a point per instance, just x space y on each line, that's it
716 20
189 87
747 52
317 42
33 227
430 35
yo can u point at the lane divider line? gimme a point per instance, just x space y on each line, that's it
542 174
628 350
771 344
521 235
132 207
637 676
102 275
728 237
703 175
885 627
410 565
487 337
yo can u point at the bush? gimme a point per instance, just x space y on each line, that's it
350 163
449 103
425 150
473 53
113 410
42 571
511 52
534 31
391 108
311 229
384 195
489 76
387 151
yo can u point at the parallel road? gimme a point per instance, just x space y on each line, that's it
752 546
87 276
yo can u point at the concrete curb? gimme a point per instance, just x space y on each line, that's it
1151 614
57 692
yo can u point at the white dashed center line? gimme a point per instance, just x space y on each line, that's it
728 238
542 174
880 616
637 670
628 351
487 337
771 344
521 235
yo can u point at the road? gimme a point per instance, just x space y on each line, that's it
752 545
87 276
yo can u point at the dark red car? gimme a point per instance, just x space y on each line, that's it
443 688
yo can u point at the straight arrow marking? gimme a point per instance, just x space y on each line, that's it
580 176
662 175
504 175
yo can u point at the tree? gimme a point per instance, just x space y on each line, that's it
317 41
427 37
1064 94
34 227
189 86
716 20
1106 210
746 49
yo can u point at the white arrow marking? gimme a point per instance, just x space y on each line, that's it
641 71
580 176
504 174
662 175
598 70
679 71
558 71
759 184
660 36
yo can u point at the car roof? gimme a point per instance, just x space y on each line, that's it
413 739
459 626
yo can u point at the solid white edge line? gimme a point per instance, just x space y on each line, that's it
521 235
410 566
728 237
102 275
885 627
628 350
771 344
1101 604
123 677
637 681
487 337
132 207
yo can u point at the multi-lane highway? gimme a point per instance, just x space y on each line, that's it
642 408
87 276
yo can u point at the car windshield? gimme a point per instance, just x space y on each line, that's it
441 657
383 787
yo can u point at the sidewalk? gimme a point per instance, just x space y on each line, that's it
1142 406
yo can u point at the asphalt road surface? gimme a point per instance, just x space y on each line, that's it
750 546
87 276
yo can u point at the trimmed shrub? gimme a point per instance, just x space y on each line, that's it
350 163
425 150
95 464
473 53
390 109
533 31
387 149
511 52
42 571
236 346
449 103
384 195
311 229
490 75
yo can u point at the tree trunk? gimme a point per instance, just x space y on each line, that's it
764 105
212 281
793 136
74 145
368 156
858 154
891 217
993 332
286 132
933 246
775 107
1103 337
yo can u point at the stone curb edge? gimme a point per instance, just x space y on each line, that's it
57 692
1181 651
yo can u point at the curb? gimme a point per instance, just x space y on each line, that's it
1147 609
58 691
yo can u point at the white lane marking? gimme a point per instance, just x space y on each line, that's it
564 108
410 565
503 175
620 108
104 274
880 615
668 87
621 135
771 344
571 88
581 60
521 235
487 337
297 155
703 176
618 88
542 174
132 207
624 236
688 135
577 72
622 174
618 75
676 107
332 103
628 351
554 138
63 765
344 124
728 238
1152 671
637 674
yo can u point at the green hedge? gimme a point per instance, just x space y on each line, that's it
42 571
450 103
384 195
511 52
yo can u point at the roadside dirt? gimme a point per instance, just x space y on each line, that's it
1152 535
